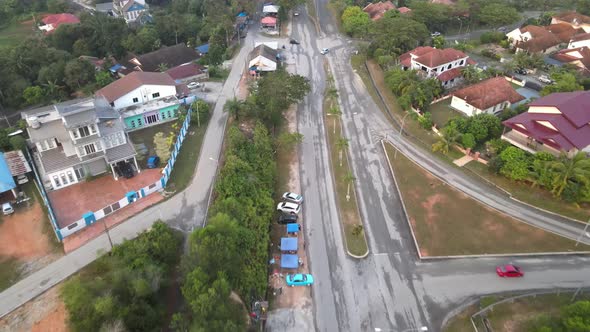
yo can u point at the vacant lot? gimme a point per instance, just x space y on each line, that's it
15 32
447 222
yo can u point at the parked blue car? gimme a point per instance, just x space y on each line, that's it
299 279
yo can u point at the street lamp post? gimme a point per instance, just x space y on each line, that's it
401 128
583 233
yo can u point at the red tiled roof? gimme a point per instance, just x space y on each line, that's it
488 93
534 30
58 19
581 54
571 125
134 80
404 10
439 57
581 36
450 74
562 31
572 17
406 58
377 10
186 70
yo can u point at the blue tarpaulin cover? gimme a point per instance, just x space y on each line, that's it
6 179
204 49
292 228
289 261
288 243
242 14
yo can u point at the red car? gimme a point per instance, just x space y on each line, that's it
509 271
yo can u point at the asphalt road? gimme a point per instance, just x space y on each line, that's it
475 34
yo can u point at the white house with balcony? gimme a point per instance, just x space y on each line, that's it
443 64
76 139
143 98
130 10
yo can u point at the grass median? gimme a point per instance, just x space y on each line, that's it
352 224
447 222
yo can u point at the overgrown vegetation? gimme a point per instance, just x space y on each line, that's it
124 289
231 252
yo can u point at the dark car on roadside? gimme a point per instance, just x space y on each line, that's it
294 41
124 169
521 71
287 218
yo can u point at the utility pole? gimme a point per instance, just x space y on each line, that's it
107 231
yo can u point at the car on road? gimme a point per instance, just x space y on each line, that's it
292 197
194 85
325 50
299 279
293 41
545 79
521 71
509 271
288 207
287 218
502 29
435 34
296 14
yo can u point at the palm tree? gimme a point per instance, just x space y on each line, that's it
162 67
233 107
565 170
332 93
341 144
450 135
335 112
471 74
348 179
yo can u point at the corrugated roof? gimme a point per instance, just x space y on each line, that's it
120 152
17 163
488 93
134 80
170 56
6 179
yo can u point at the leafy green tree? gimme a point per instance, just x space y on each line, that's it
576 317
471 74
425 121
450 135
289 140
234 107
33 95
468 141
566 170
355 21
435 16
78 73
397 34
18 142
515 163
341 145
103 78
564 82
497 14
80 47
438 42
583 7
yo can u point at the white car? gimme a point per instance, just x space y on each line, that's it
325 50
435 34
545 79
295 14
7 209
288 207
292 197
22 179
194 85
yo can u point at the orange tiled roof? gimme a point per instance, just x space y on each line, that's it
572 17
439 57
377 10
488 93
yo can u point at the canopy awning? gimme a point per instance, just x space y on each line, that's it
288 244
289 261
292 228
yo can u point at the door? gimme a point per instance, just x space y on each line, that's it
151 118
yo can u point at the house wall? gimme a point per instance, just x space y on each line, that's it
96 167
62 178
139 121
544 109
435 71
516 36
579 43
470 110
144 94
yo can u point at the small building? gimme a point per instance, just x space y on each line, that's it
143 99
187 73
578 57
547 39
378 9
164 58
129 10
53 21
444 64
106 8
557 123
575 20
270 9
263 59
7 185
490 96
269 22
77 139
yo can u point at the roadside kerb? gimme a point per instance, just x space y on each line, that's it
351 168
401 198
471 256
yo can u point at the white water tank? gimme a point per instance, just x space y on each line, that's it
34 122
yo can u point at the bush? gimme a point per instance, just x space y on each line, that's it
490 54
492 37
516 163
425 121
468 141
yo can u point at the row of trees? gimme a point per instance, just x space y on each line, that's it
231 252
123 291
413 91
573 318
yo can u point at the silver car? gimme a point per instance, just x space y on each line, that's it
292 197
288 207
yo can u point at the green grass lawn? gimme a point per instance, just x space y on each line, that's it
442 112
349 213
534 196
9 272
447 222
15 32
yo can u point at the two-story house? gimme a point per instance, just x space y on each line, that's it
557 123
129 10
76 139
443 64
143 98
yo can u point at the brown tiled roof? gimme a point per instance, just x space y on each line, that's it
534 30
184 71
572 17
405 59
404 10
581 36
488 93
377 10
170 56
131 82
564 32
449 74
439 57
581 54
539 43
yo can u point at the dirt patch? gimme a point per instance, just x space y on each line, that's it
21 234
46 313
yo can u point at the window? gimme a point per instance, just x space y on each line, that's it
116 206
107 143
75 134
155 95
135 100
113 104
51 143
98 146
90 148
80 173
462 62
107 210
84 131
132 123
163 115
170 113
92 129
120 138
139 122
64 180
72 226
56 181
449 66
71 176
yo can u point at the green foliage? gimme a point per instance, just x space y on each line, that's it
435 16
412 90
497 14
162 146
78 73
33 95
564 82
18 142
490 54
515 163
425 121
468 141
355 21
492 37
482 126
450 136
103 78
569 170
124 287
438 42
524 60
289 140
397 34
203 109
583 7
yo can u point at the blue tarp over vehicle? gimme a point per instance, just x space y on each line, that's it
288 243
289 261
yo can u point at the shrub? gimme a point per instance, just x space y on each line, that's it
516 163
426 121
492 37
468 141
